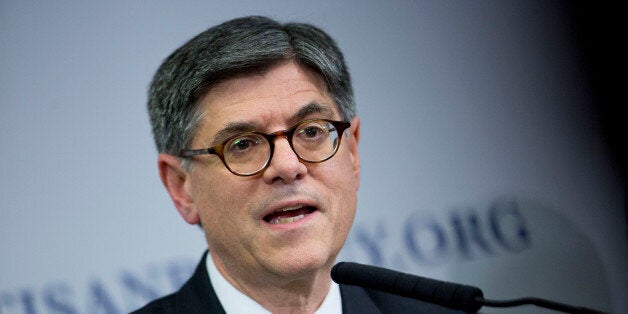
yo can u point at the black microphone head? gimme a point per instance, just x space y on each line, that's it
447 294
334 271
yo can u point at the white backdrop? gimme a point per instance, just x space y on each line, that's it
481 160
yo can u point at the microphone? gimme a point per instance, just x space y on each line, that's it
451 295
447 294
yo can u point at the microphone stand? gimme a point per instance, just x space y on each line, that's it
561 307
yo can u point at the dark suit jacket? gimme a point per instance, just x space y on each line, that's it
197 296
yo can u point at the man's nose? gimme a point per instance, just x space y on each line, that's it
284 164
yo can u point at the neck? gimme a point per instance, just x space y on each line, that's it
302 293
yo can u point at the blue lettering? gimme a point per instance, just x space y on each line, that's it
101 302
433 245
56 299
133 284
28 301
472 233
508 226
370 243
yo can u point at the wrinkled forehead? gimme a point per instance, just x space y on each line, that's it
278 96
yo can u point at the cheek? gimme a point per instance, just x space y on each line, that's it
220 211
346 174
342 183
211 196
348 186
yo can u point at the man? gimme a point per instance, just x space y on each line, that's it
258 138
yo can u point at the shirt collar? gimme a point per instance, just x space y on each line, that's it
235 302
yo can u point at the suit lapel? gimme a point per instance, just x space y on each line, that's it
356 300
197 294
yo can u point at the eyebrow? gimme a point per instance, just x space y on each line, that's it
313 108
231 129
235 128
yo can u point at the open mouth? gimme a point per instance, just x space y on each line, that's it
289 214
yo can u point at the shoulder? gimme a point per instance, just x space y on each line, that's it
195 296
363 300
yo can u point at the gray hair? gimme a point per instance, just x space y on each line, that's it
245 45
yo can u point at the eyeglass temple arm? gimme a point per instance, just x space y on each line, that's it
196 152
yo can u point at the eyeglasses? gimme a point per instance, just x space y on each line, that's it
249 153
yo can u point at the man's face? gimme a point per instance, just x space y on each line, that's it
235 211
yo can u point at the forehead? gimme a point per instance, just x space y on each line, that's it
271 99
281 80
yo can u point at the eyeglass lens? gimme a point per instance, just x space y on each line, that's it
312 141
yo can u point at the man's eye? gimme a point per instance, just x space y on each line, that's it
312 132
243 144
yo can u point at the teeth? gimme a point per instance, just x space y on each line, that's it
289 208
286 220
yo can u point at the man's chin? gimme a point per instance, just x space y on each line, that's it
302 265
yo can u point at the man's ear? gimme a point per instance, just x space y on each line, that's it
354 139
177 181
